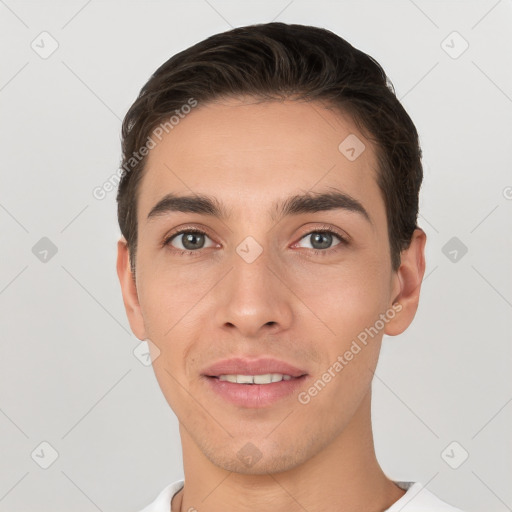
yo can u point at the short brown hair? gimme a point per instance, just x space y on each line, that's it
280 61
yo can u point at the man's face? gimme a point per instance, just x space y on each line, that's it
220 301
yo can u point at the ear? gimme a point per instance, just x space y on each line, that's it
407 284
129 290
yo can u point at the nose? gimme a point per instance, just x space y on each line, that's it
254 299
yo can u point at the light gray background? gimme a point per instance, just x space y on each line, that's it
68 374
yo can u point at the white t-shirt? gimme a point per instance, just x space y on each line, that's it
416 499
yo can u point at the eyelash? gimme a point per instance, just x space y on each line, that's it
316 252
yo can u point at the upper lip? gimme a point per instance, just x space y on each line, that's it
262 366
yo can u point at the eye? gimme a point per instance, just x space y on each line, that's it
321 240
190 240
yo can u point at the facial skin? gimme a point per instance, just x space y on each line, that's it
289 303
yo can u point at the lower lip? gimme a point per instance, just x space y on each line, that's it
255 395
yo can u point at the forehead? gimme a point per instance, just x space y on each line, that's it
249 154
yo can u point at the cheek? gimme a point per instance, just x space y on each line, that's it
346 298
173 309
168 298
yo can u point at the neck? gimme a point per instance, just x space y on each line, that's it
344 475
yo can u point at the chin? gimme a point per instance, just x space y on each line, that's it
275 463
259 456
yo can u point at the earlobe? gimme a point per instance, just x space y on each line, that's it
409 277
129 290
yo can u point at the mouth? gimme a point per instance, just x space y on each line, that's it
264 370
254 391
263 379
253 383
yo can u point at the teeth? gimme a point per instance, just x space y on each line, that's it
268 378
244 379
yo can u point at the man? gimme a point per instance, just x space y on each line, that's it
268 208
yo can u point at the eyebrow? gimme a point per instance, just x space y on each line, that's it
309 202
